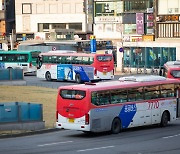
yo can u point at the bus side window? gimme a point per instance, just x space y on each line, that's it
91 60
167 90
94 99
151 92
104 98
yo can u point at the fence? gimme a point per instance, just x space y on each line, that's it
11 74
20 112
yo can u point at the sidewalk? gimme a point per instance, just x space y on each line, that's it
14 82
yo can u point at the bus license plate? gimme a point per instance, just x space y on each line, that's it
71 120
104 73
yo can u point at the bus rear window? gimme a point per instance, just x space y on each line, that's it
175 73
72 94
104 58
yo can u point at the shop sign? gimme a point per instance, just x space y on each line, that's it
150 10
140 23
148 37
150 31
150 24
107 19
136 38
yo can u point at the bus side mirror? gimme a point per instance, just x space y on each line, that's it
161 70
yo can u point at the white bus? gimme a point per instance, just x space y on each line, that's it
79 67
116 105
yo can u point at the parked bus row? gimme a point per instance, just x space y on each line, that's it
116 105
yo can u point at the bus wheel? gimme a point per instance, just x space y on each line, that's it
48 76
116 126
164 119
78 78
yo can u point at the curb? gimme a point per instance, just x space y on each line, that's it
29 133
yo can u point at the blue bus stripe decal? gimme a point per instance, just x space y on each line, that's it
127 113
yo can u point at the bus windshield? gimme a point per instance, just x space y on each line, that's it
175 73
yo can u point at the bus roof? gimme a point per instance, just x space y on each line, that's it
70 54
18 51
172 64
121 84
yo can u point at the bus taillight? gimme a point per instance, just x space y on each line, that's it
30 64
87 119
56 115
95 72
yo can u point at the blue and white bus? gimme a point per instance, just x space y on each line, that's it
79 67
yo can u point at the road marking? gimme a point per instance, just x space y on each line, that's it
171 136
95 149
49 144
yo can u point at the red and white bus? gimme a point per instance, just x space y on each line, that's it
171 69
116 105
79 67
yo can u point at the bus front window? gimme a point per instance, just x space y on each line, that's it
175 73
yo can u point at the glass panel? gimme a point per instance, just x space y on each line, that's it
118 96
76 26
100 98
151 92
72 94
126 57
135 94
108 8
167 90
104 58
137 5
129 28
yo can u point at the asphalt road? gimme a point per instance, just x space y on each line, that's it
32 80
142 140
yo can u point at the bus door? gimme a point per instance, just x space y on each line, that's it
64 72
178 103
2 66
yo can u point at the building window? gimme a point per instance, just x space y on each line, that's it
129 28
148 57
43 27
137 5
59 26
26 8
76 26
108 8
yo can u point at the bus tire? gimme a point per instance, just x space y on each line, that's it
164 119
48 76
116 126
78 78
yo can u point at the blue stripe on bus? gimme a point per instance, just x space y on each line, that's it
127 113
86 73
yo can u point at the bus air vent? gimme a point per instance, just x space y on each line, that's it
142 78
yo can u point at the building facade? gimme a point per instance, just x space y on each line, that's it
168 18
36 18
